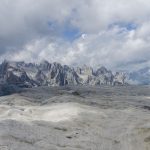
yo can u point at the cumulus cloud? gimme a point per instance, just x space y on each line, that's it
108 32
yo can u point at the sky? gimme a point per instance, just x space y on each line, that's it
113 33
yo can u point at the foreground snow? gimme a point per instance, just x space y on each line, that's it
65 121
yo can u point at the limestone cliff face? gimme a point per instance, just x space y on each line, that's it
119 78
55 74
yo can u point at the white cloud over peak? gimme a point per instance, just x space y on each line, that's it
108 32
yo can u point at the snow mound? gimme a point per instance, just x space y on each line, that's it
52 113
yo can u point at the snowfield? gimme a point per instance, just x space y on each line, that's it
76 118
54 113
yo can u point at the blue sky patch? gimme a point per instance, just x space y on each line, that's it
129 26
70 33
67 32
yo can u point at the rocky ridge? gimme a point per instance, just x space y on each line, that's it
55 74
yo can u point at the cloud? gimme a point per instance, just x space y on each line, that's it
109 32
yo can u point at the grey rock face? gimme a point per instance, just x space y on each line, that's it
55 74
13 73
101 76
119 78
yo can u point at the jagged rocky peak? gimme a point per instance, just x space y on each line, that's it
101 70
57 66
70 76
13 64
44 65
55 74
87 70
12 73
7 67
119 78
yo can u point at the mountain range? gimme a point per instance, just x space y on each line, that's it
54 74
